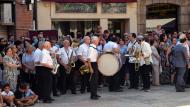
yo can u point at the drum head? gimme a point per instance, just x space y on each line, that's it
108 64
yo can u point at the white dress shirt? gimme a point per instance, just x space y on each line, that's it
132 45
65 54
46 58
36 56
83 51
108 47
93 53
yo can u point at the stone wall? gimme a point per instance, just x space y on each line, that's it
183 15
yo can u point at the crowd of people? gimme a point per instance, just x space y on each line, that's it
34 69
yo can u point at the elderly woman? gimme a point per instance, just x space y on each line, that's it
156 63
10 69
28 66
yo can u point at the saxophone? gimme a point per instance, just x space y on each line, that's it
55 64
71 64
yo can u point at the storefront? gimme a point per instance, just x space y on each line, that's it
118 16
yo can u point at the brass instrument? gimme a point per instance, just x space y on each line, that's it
135 56
71 63
84 70
55 64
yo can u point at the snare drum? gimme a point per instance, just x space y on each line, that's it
109 64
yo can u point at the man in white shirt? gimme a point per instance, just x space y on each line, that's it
133 48
112 46
46 75
38 67
66 56
145 62
92 63
82 55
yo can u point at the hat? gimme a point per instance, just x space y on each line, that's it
140 38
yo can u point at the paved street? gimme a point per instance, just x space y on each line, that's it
164 96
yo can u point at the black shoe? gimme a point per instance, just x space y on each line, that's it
56 95
47 101
147 90
130 87
119 90
98 96
180 90
136 88
51 99
94 98
82 92
74 93
142 89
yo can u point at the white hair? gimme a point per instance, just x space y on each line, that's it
182 36
94 38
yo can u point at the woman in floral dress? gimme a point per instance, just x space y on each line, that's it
10 69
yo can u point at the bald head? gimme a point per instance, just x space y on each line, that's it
47 45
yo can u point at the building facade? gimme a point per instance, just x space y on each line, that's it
180 12
118 16
15 18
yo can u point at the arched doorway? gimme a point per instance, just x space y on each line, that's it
163 14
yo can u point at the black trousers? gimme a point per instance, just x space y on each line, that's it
114 82
84 80
145 74
38 76
55 83
45 83
122 75
94 79
133 76
67 81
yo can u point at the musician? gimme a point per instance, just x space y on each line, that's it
112 46
38 67
54 51
82 55
45 81
92 63
133 49
67 77
145 62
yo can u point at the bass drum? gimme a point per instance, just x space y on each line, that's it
109 64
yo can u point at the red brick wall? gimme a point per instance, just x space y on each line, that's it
23 19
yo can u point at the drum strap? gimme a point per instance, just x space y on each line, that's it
96 49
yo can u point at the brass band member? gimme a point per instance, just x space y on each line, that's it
145 62
46 74
38 67
67 73
92 63
133 50
82 55
112 46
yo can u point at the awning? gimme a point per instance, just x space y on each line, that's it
91 1
152 23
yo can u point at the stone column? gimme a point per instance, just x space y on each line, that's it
104 24
141 16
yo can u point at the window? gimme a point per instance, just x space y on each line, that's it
114 8
76 8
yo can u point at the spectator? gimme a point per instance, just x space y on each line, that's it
8 96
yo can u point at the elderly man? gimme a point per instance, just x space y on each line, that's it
67 73
46 76
145 62
82 55
92 63
181 61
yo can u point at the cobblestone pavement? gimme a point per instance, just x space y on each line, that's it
163 96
